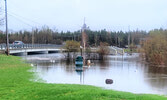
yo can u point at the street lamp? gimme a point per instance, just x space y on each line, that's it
6 20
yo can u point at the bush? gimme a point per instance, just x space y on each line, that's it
103 50
155 47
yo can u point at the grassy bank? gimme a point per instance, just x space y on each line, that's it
16 84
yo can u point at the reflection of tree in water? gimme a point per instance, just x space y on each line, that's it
103 64
67 65
157 77
157 70
43 67
45 64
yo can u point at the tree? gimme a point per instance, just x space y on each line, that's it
45 35
84 39
2 36
155 47
71 46
103 50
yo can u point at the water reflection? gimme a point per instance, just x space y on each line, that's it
157 78
80 73
157 70
129 73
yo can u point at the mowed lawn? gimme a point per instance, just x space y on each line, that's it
17 82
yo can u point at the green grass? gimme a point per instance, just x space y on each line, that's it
16 84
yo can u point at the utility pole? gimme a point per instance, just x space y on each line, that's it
129 37
33 36
7 39
116 39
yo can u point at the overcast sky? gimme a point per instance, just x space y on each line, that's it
112 15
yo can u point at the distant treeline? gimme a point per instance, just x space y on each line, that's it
48 36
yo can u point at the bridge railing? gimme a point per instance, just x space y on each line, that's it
29 46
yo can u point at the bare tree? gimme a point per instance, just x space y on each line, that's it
84 39
103 50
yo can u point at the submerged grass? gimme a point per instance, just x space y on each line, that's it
16 84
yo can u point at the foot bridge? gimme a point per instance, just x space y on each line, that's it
116 50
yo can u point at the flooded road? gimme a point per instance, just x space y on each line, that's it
129 73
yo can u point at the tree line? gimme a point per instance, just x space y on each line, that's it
155 47
49 36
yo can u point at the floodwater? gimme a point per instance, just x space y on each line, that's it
129 73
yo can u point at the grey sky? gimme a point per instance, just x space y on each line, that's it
112 15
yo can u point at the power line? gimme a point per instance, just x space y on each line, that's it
11 12
15 16
20 20
24 18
